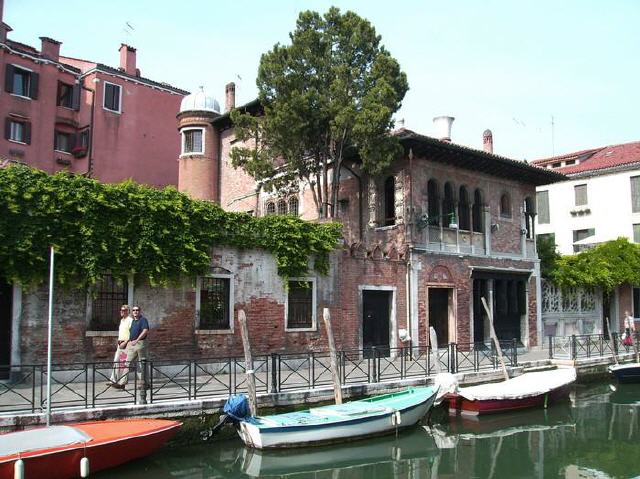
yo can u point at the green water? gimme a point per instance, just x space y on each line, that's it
595 435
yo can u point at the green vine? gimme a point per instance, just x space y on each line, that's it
125 228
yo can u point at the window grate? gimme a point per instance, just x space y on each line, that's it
300 305
214 303
111 293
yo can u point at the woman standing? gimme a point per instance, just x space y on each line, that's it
629 329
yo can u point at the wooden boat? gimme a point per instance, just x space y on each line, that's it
524 391
327 424
56 452
626 373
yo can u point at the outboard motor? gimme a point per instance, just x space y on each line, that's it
235 410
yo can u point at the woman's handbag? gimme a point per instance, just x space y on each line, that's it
628 340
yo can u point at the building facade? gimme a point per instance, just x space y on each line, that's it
62 113
598 202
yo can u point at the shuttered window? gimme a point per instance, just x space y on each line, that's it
636 233
20 81
542 198
635 194
580 195
112 97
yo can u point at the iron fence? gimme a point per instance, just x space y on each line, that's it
88 385
590 345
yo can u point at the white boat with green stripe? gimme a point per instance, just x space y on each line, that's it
373 416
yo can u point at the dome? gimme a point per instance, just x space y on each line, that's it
199 101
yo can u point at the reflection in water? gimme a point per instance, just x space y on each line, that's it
596 436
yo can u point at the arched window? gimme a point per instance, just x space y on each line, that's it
505 205
433 202
282 207
293 206
478 208
271 208
464 222
389 201
448 205
529 217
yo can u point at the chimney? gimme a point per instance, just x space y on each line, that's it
487 141
229 97
128 60
50 48
442 125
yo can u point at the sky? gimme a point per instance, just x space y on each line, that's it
547 77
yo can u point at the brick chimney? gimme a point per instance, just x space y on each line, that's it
4 28
487 141
229 97
50 48
128 60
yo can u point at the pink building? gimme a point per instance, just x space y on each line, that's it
63 113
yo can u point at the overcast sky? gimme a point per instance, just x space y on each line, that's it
510 66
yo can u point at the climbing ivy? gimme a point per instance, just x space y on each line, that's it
125 228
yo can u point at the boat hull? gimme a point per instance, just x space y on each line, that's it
103 453
383 422
626 373
461 405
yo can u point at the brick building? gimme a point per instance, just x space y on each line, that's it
63 113
446 226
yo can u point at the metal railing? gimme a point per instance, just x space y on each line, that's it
87 385
590 345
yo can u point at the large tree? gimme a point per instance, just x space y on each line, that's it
332 92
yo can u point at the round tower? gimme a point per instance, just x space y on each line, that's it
199 162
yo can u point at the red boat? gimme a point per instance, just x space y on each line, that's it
524 391
56 452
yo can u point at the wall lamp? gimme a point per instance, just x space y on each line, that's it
426 220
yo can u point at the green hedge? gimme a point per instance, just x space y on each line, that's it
125 228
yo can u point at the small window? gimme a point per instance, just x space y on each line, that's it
542 200
282 207
505 206
192 141
18 131
556 165
22 82
112 95
214 305
301 304
570 162
293 206
389 201
65 95
580 192
271 208
109 294
63 141
636 233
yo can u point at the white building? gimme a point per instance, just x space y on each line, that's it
600 201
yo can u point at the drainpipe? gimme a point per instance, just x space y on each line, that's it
409 229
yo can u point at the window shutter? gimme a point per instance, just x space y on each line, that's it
33 93
543 207
72 141
27 133
580 195
75 102
8 79
635 194
7 128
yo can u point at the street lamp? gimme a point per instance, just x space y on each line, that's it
426 220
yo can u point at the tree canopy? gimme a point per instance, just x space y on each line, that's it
331 92
125 228
607 266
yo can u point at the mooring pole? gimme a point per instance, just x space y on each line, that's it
248 363
337 387
49 336
494 336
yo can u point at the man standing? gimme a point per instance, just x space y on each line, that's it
121 348
137 348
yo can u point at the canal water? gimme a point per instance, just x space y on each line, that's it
594 435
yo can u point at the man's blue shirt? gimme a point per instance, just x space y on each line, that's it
137 325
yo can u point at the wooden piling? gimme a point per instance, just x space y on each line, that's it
248 363
337 387
494 336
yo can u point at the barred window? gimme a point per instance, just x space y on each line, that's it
271 208
215 303
109 294
542 198
300 305
580 195
192 141
293 206
282 207
635 194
